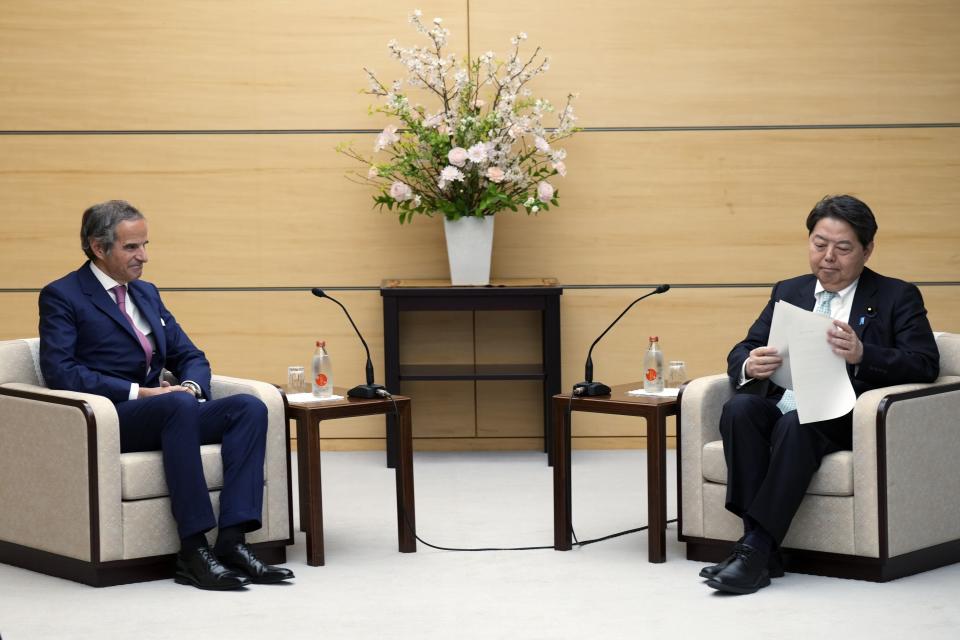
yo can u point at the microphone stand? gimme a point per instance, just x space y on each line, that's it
369 390
589 388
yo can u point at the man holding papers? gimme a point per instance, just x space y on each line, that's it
872 326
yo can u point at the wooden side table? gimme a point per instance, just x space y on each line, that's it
655 410
540 294
308 417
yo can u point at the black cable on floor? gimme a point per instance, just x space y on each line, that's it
577 543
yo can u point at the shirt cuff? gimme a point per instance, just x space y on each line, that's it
134 391
184 383
743 375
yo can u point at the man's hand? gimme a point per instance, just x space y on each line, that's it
762 362
165 387
845 342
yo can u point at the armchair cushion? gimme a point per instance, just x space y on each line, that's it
834 478
142 477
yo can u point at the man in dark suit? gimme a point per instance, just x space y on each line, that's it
879 328
105 331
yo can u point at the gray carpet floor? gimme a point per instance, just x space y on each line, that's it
369 590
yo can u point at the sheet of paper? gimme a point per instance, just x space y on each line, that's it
668 392
778 338
817 376
309 397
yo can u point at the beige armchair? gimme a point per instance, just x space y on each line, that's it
887 509
73 506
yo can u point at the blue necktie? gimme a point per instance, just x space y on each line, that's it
789 402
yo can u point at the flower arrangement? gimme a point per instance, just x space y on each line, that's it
485 149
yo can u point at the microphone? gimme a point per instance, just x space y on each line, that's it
369 390
589 388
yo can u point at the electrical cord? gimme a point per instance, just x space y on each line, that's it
383 393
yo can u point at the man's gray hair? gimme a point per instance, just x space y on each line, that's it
99 224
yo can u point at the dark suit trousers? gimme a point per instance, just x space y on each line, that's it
176 424
771 458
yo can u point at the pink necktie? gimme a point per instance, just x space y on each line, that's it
121 292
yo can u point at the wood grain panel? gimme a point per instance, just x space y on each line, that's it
277 211
738 62
179 64
436 337
510 408
730 207
509 337
442 409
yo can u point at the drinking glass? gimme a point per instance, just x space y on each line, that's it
295 380
676 374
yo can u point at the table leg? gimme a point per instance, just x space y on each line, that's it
301 468
562 522
657 487
314 493
406 514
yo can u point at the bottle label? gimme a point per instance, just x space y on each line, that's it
321 380
651 374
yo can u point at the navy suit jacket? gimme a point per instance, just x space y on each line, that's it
888 316
86 343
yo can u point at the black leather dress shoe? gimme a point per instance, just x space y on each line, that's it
775 567
240 558
201 569
746 573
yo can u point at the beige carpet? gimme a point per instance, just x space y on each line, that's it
368 590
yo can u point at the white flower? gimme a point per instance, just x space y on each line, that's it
495 174
400 191
515 131
458 156
448 175
541 144
372 172
477 153
560 168
544 191
386 138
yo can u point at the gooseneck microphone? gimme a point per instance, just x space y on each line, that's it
369 390
589 388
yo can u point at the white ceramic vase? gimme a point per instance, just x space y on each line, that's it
469 249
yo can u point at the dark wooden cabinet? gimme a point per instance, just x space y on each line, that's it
540 294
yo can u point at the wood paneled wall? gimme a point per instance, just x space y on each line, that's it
711 128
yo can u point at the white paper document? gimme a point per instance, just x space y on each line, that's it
668 392
309 397
816 374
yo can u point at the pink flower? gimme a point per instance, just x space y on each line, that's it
544 191
386 138
457 156
541 144
400 191
495 174
560 168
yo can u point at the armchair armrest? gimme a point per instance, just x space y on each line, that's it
906 443
60 472
701 402
277 515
